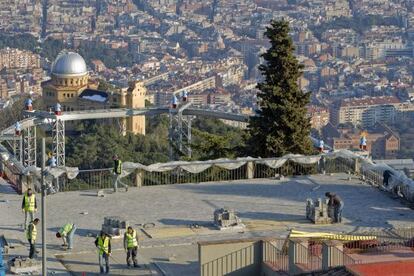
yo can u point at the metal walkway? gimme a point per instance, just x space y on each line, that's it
125 112
25 144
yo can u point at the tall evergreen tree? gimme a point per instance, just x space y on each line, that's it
281 125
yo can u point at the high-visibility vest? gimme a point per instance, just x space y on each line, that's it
29 203
132 239
31 235
103 245
66 229
118 167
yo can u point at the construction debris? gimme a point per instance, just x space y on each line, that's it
21 265
225 218
115 226
318 211
100 193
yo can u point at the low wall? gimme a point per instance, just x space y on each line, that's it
234 257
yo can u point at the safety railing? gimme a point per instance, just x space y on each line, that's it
103 178
306 259
276 256
386 240
230 263
339 258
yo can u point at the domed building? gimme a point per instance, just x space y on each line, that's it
71 87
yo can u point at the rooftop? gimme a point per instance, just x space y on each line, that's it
368 101
268 207
69 64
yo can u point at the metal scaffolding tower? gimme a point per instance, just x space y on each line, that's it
58 135
18 148
180 132
29 146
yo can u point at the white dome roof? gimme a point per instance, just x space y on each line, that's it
69 64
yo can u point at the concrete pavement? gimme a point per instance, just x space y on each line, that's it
277 204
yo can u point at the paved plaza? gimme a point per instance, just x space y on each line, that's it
268 208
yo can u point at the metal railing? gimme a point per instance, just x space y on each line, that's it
102 178
234 261
306 260
276 256
339 258
386 241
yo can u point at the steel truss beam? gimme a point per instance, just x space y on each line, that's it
180 132
29 146
58 135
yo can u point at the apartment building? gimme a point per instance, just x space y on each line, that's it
366 111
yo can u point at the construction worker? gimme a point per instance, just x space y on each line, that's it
67 233
337 204
117 173
103 243
29 206
31 235
387 174
131 246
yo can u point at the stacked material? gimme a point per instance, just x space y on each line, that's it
22 265
318 211
225 218
115 226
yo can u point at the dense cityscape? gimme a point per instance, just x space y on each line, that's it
356 87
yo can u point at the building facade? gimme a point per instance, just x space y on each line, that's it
366 112
71 87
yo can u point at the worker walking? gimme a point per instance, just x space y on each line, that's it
117 173
103 243
31 235
67 233
337 204
29 206
131 246
387 174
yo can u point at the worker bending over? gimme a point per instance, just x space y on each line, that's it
67 233
337 204
131 246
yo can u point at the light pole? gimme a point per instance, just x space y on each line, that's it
44 268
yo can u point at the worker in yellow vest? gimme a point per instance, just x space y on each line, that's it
67 233
103 243
31 235
117 171
29 206
131 246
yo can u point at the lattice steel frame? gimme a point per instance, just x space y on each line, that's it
180 133
18 148
29 146
58 135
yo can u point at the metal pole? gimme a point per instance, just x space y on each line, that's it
44 268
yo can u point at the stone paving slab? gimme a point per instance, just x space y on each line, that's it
87 263
280 201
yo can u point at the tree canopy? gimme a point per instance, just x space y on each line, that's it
281 125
